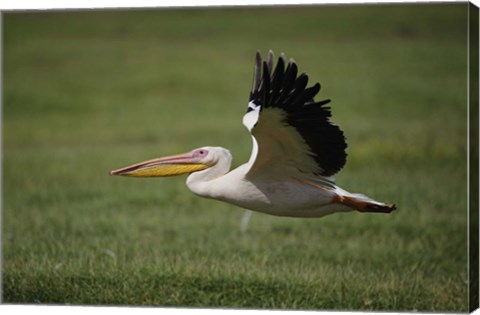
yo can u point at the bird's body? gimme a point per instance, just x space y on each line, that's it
296 150
275 195
270 195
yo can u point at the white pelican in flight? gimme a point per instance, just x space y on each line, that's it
296 151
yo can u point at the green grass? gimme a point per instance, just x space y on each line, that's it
87 92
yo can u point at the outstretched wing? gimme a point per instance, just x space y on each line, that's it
291 131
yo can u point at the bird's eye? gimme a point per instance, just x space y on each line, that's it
202 152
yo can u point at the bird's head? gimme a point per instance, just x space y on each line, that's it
193 161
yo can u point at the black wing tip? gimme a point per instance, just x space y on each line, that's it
271 55
303 77
258 57
323 102
284 83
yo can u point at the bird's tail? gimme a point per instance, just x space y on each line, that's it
363 203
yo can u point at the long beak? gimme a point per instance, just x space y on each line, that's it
166 166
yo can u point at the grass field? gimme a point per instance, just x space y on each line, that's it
87 92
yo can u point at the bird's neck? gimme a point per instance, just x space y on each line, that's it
201 183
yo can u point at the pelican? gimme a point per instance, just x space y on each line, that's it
296 151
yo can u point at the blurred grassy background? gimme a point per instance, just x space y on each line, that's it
87 92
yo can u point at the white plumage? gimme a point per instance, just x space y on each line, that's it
296 150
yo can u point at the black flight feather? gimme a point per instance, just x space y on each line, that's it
289 79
